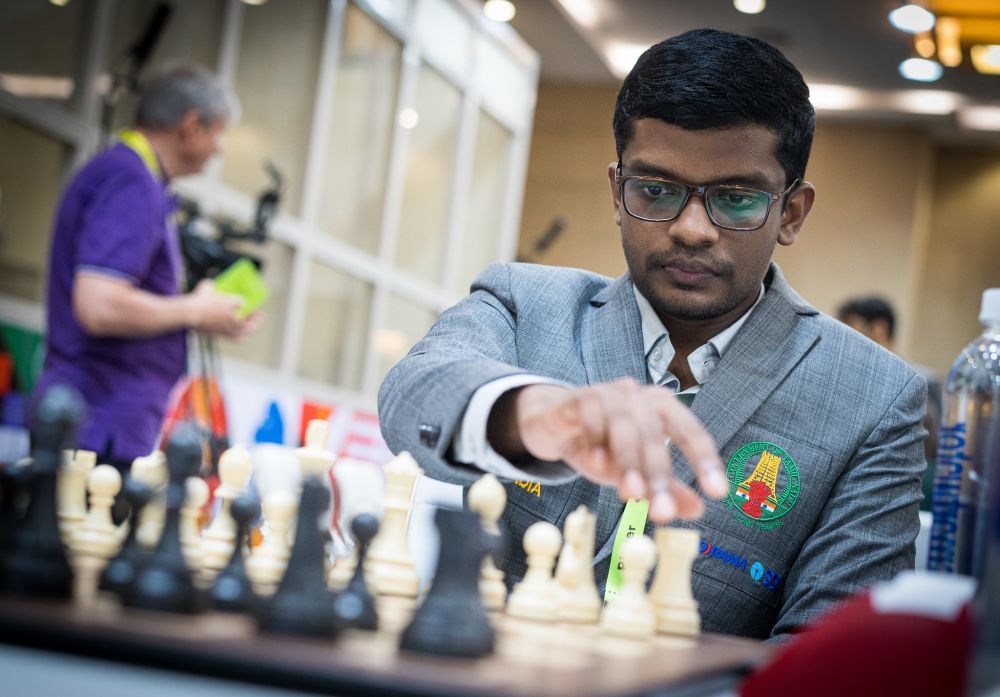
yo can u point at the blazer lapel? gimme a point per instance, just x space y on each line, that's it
766 349
611 340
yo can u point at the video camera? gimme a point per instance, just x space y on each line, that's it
205 256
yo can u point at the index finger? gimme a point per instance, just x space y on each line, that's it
684 429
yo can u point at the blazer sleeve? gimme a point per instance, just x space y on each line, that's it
867 528
423 398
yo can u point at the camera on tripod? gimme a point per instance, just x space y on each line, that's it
207 255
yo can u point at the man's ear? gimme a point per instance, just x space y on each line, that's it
616 192
797 207
189 124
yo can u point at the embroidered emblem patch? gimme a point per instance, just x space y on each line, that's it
763 484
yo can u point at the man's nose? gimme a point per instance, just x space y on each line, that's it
693 227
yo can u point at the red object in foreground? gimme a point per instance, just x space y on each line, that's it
856 651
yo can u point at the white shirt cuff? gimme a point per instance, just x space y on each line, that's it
470 444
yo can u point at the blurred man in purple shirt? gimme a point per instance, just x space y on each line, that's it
117 317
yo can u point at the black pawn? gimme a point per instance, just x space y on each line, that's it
303 605
355 605
164 583
232 590
452 620
34 562
120 572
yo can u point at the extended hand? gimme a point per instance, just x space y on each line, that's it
217 313
615 434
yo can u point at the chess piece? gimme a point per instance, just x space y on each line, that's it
630 614
303 605
164 583
120 572
268 561
232 591
96 540
578 599
452 620
534 598
392 569
235 468
35 563
676 608
488 498
72 484
151 470
355 605
196 496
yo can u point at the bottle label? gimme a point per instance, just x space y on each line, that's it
950 527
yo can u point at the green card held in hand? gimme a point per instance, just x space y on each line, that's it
242 278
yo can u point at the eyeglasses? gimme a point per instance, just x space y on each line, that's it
730 207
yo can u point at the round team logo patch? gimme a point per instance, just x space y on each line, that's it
763 484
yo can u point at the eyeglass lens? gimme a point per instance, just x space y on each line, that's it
736 207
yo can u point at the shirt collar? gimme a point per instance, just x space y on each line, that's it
654 332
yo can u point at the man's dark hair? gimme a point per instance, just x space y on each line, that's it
870 309
707 78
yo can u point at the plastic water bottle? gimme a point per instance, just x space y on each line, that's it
970 422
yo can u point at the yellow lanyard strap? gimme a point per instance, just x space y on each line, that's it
140 145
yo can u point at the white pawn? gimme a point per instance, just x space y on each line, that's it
96 540
631 613
314 459
267 563
391 567
579 600
151 470
676 608
534 598
488 498
72 490
194 502
218 540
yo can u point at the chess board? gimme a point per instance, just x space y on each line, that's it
547 661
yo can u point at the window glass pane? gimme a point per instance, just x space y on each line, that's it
360 133
423 223
31 175
405 324
392 10
440 18
508 86
280 49
336 327
40 48
264 345
189 36
487 195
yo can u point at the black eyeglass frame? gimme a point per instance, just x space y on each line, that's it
700 190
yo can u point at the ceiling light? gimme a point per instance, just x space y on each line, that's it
935 102
912 19
986 58
949 32
583 12
750 7
920 69
623 56
59 3
254 2
499 10
408 118
980 118
37 86
835 97
924 45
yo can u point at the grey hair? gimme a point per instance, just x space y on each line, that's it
172 94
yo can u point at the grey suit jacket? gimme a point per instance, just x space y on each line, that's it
821 430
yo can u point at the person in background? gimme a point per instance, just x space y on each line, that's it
874 317
116 314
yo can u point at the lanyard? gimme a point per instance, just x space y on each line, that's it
140 145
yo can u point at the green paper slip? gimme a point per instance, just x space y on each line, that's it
243 279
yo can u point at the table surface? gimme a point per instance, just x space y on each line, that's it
541 661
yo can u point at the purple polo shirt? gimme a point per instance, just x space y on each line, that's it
114 219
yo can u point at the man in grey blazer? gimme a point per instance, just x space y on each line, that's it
562 382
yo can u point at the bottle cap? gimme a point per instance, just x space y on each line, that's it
990 312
